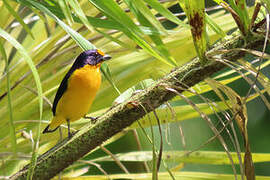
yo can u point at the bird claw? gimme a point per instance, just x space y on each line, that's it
71 134
93 119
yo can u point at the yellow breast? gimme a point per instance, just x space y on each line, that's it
83 85
85 79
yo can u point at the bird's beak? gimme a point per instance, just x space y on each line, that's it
106 57
103 58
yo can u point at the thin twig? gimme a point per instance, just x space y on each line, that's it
115 159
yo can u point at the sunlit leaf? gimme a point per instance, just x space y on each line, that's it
18 18
12 132
198 157
214 26
66 10
196 17
165 12
39 89
77 9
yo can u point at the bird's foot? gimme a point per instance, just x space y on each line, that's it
93 119
71 134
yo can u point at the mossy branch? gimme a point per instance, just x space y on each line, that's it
123 115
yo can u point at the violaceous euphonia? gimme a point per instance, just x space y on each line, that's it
77 90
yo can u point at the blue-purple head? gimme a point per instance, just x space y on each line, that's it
92 57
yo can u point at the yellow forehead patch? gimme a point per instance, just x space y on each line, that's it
100 52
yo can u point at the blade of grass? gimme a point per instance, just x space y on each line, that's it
103 23
197 157
165 12
12 132
79 39
241 18
239 108
240 7
66 10
107 73
179 175
121 43
122 23
195 11
267 2
95 22
78 10
144 10
111 9
142 18
31 65
18 18
214 26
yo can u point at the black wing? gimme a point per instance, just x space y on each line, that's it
62 88
79 62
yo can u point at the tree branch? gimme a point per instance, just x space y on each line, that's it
123 115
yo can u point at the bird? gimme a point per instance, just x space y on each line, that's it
77 90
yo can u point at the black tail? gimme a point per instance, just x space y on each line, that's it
46 130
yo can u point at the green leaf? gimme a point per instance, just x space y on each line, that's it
148 22
165 12
195 11
77 9
238 9
184 112
18 18
121 43
111 9
142 9
66 10
27 58
198 157
133 90
12 132
214 26
107 73
267 2
79 39
182 175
